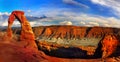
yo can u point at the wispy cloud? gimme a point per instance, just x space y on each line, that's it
93 20
93 23
65 17
28 10
114 4
62 17
4 23
4 13
81 19
73 2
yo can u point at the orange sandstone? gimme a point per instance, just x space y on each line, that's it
109 44
27 34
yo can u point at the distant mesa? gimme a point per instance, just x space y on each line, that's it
70 31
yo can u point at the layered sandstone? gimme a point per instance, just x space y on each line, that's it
62 32
70 32
99 31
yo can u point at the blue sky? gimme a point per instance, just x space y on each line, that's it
39 5
75 12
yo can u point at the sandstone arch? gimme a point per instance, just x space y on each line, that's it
27 34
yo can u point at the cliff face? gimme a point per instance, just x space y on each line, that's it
109 44
70 32
99 32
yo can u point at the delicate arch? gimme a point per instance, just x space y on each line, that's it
26 30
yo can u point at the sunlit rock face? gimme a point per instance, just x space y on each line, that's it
27 35
97 32
109 45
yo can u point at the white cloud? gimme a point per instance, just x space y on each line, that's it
66 23
28 10
114 4
97 20
88 20
5 23
35 23
73 2
72 18
15 23
4 13
88 25
80 19
28 13
94 23
59 15
82 22
106 25
0 13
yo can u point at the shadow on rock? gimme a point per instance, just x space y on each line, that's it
70 52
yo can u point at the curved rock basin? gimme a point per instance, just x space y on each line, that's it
75 41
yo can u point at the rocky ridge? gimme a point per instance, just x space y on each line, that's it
70 32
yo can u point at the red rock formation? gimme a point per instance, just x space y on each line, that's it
71 32
47 32
61 32
68 32
99 32
38 31
109 45
27 34
14 53
78 32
